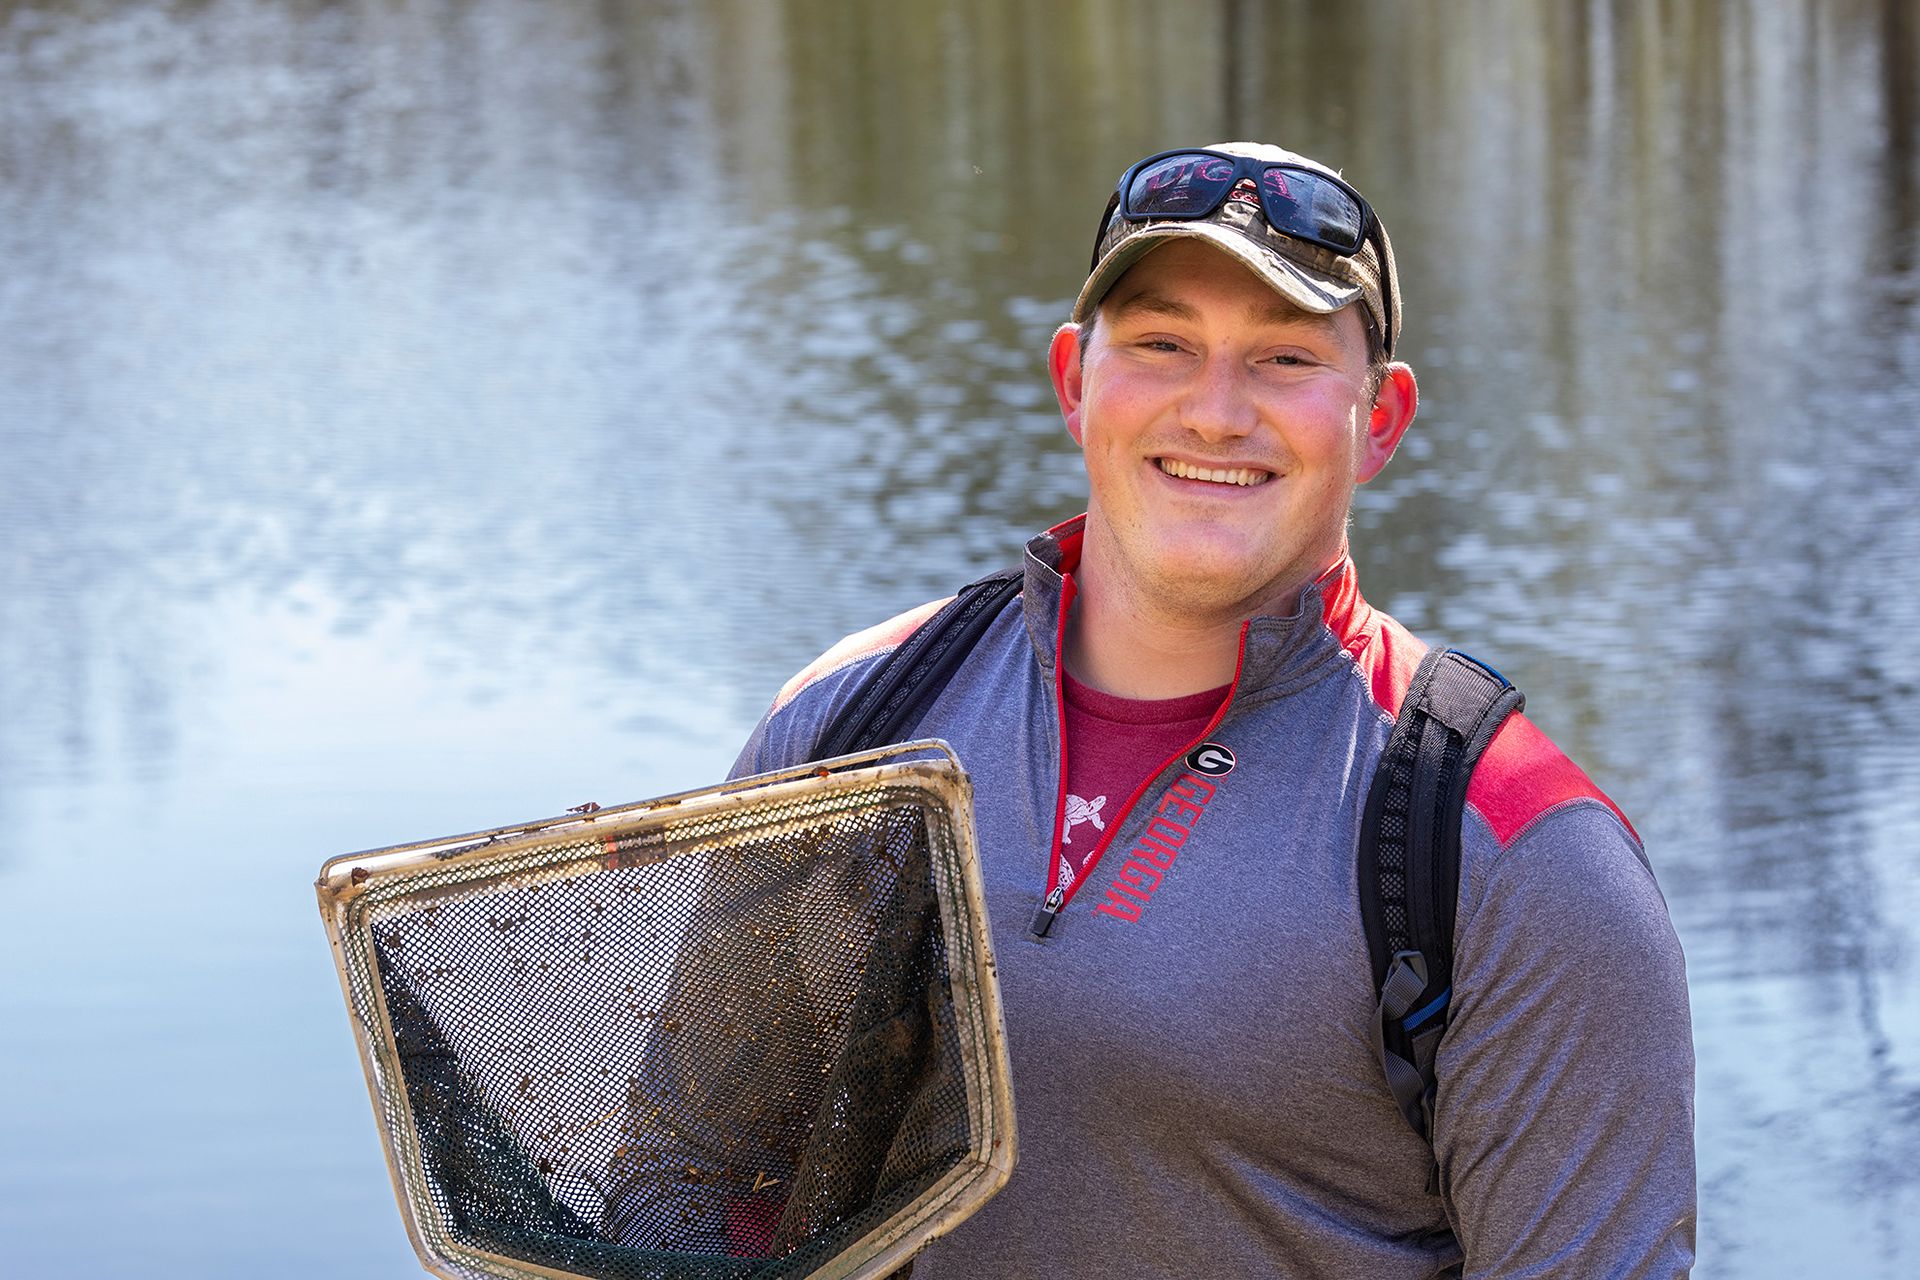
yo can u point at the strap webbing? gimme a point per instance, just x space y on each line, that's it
1409 862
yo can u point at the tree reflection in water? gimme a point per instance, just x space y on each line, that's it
605 363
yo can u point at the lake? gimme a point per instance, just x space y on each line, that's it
421 416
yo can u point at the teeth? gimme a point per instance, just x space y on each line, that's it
1217 475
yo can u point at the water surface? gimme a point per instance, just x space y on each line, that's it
418 416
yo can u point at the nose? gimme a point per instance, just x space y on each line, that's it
1218 404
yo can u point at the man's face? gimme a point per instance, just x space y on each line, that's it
1223 431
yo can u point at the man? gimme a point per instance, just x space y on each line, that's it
1191 671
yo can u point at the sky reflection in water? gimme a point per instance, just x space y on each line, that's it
417 419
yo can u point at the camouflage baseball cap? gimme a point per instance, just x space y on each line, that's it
1309 275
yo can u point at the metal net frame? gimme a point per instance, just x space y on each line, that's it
748 1031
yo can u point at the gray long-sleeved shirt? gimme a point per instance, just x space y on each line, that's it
1195 1086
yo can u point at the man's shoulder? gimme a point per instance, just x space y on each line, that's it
1520 778
1523 778
792 729
872 643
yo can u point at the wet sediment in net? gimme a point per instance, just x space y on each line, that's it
729 1063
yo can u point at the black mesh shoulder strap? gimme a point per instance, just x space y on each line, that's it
905 684
1410 862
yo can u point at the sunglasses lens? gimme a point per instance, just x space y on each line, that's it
1180 186
1312 208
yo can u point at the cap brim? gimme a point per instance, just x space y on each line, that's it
1307 289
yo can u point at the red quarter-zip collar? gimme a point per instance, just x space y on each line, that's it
1290 649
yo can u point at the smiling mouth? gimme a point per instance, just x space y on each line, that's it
1242 476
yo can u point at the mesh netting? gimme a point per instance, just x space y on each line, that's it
1391 843
727 1046
1394 833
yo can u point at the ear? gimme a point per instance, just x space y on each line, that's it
1388 420
1063 366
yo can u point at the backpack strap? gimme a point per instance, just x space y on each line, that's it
1410 863
907 681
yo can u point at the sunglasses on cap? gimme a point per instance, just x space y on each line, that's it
1297 201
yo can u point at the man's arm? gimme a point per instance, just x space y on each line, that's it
789 734
1564 1118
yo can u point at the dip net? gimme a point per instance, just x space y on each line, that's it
745 1032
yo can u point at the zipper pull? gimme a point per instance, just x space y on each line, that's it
1049 910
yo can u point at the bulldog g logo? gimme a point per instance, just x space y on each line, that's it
1211 760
